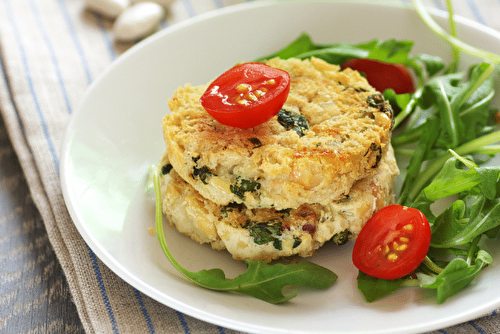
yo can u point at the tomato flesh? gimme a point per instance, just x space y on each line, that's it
393 243
383 75
247 95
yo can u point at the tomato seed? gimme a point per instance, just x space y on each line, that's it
243 88
392 257
402 247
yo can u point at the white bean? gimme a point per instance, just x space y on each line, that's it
108 8
164 3
138 21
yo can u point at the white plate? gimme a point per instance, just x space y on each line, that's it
115 135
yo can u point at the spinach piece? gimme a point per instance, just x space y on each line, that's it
230 207
260 280
285 211
256 142
244 185
293 121
376 100
296 242
203 172
265 232
166 169
342 238
375 148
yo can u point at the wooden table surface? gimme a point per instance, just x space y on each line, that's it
34 294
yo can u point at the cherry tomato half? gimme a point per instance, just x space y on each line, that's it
383 75
393 243
247 95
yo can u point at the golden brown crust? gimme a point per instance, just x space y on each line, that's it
346 139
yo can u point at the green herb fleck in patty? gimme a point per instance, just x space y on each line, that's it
290 120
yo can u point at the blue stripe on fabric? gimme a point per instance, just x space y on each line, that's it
189 7
97 271
221 330
438 4
475 11
85 64
111 315
183 322
76 41
83 58
53 57
105 34
144 311
476 327
27 72
165 24
218 3
442 331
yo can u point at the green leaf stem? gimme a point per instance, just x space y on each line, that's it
261 280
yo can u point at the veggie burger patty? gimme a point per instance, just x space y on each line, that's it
316 171
267 234
333 130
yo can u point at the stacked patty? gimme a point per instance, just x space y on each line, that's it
315 172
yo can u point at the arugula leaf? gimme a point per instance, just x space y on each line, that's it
374 288
389 51
456 276
260 280
447 118
303 47
451 180
301 44
337 53
457 99
465 220
413 186
422 153
475 111
440 93
457 44
431 64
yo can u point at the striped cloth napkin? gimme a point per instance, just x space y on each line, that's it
51 50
